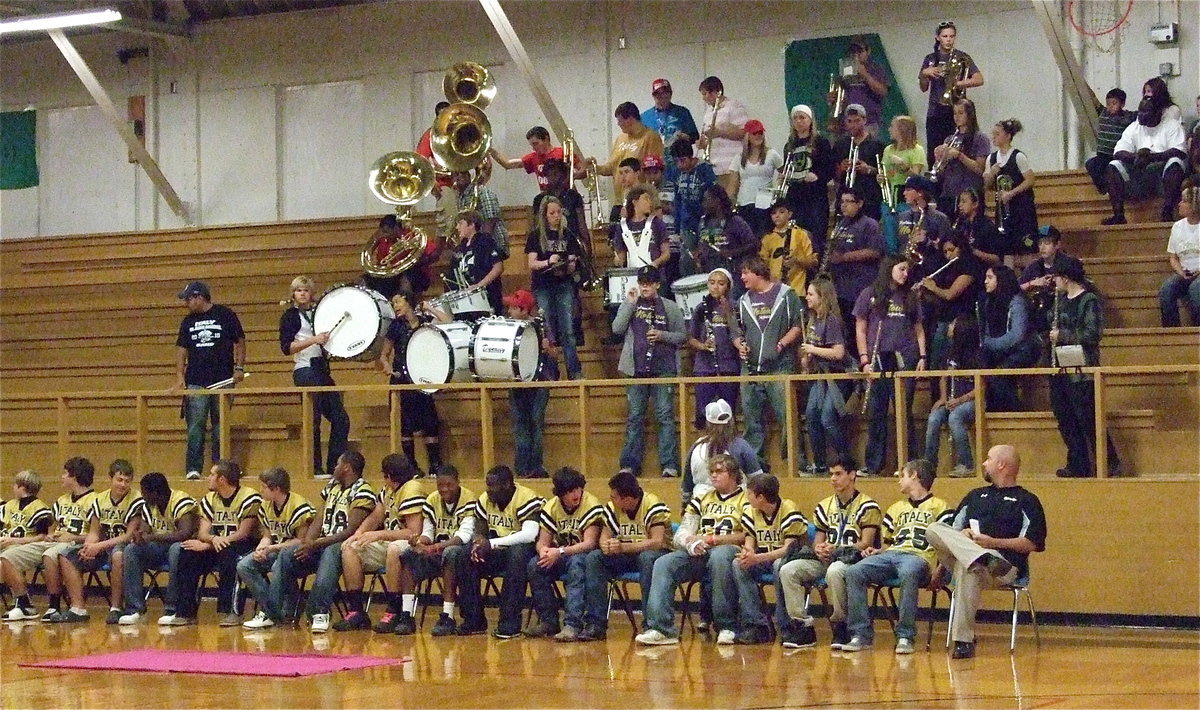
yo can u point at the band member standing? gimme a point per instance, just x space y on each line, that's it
754 172
299 339
712 331
959 162
476 263
855 249
552 253
210 349
574 216
787 248
979 232
904 157
725 238
1037 280
722 129
692 177
939 122
869 154
807 193
670 120
635 141
1019 217
528 405
640 239
868 85
443 191
533 162
824 349
479 198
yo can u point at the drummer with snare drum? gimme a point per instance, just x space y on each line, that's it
475 264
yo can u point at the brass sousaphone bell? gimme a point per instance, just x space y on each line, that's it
461 136
400 178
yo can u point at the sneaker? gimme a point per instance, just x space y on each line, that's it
963 649
114 616
961 471
904 647
18 613
799 635
193 475
506 632
703 627
545 629
260 621
670 473
129 619
320 623
354 621
166 619
406 625
1107 221
70 616
754 635
997 566
567 635
445 626
654 637
178 621
471 628
857 643
228 620
52 616
726 637
841 635
592 632
321 475
387 623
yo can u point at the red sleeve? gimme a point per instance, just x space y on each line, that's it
425 146
531 161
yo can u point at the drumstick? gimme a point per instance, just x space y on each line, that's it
225 383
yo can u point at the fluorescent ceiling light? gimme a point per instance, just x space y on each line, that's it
59 20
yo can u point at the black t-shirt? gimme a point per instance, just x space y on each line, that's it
398 333
563 243
1006 513
470 263
209 339
965 302
572 204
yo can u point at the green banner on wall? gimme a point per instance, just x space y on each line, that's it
808 63
18 150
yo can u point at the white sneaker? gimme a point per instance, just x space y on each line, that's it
18 614
725 637
193 475
654 637
129 619
904 646
260 621
320 623
857 643
166 620
961 471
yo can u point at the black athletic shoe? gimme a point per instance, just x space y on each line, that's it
507 632
841 635
1109 221
799 635
406 625
753 635
445 626
472 628
387 623
354 621
591 632
963 649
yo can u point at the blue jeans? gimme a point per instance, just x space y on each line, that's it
528 408
196 410
668 435
253 575
912 571
749 601
328 405
557 303
675 568
824 421
754 396
882 392
541 585
960 419
328 567
1174 289
600 568
143 556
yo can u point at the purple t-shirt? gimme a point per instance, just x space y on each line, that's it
898 333
955 178
859 92
763 304
648 314
732 234
851 277
708 321
938 85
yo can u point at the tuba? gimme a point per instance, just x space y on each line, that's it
469 83
461 136
402 179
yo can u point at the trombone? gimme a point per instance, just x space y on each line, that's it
706 153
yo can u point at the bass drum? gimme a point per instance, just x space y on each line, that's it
438 353
357 321
505 349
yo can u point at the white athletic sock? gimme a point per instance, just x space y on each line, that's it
448 608
408 603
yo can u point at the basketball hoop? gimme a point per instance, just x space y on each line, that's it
1101 23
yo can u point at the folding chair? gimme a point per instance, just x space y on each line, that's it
1018 587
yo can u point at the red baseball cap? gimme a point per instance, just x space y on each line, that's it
658 85
522 299
652 161
754 126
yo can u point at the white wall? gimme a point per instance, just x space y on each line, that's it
236 115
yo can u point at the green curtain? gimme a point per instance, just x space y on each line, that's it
18 150
807 64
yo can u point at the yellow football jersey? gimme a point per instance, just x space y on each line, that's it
651 511
405 500
772 533
114 515
719 514
446 518
71 512
32 519
340 500
905 523
178 505
844 525
501 522
566 528
283 523
226 514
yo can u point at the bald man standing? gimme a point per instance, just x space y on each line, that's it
989 543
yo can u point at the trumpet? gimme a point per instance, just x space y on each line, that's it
848 180
1004 183
785 177
885 184
954 143
706 154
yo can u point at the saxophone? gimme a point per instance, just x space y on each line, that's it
785 270
839 232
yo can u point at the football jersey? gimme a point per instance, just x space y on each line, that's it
405 500
32 519
772 533
636 527
283 523
905 523
567 528
178 505
114 516
71 512
505 521
226 514
447 519
719 514
844 525
340 500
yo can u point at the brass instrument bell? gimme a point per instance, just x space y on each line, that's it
469 83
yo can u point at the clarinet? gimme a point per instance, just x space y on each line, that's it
1054 326
786 269
839 232
866 400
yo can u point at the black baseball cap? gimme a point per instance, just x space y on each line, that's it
195 288
649 275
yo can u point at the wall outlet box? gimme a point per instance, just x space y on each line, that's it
1164 33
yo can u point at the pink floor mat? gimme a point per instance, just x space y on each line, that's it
217 663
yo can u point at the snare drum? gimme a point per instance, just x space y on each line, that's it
620 282
467 300
356 319
505 349
439 353
689 292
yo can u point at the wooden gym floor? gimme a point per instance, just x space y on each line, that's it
1072 668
